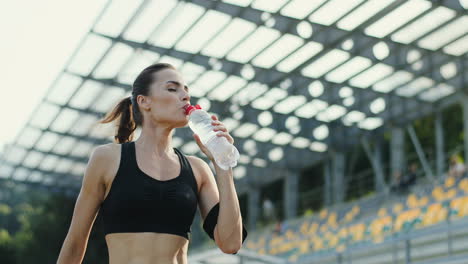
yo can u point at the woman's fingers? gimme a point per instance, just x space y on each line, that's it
223 132
202 147
220 128
197 138
226 135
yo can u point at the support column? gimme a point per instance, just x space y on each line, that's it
376 162
327 193
338 171
465 127
440 145
420 152
397 151
253 207
379 175
290 194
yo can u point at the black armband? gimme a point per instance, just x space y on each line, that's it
211 220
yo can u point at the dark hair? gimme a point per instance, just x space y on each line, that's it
127 110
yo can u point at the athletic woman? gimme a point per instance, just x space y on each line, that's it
147 191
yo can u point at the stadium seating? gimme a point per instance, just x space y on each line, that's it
333 230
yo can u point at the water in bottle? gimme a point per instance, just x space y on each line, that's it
224 153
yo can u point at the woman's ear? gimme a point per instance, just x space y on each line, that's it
144 102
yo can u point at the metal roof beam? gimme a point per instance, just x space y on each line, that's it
332 31
234 68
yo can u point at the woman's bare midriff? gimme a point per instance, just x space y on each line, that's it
146 248
141 248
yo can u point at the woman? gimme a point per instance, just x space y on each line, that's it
146 190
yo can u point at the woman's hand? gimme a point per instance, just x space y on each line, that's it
221 132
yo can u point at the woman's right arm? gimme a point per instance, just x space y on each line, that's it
86 208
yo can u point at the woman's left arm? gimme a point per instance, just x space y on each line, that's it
219 205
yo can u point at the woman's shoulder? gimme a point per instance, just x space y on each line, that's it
106 155
106 151
200 167
197 162
107 158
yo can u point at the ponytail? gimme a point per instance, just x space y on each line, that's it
123 111
127 110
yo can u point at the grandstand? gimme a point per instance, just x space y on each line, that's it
327 100
425 226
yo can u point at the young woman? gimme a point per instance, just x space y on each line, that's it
146 190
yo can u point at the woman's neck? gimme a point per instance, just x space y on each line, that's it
157 142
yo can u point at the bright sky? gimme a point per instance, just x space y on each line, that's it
38 37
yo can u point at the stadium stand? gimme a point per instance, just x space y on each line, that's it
334 231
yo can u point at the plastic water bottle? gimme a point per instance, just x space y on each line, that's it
224 153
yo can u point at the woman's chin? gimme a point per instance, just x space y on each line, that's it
181 123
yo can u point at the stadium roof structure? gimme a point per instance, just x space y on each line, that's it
291 79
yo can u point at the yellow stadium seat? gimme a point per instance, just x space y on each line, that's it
435 213
250 244
412 201
343 232
323 214
349 217
304 246
450 194
398 223
382 212
331 221
357 231
313 228
397 208
438 193
356 209
463 185
323 228
423 201
332 217
440 215
464 207
333 240
318 244
376 227
304 227
455 205
290 235
449 182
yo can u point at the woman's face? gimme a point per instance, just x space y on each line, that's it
167 97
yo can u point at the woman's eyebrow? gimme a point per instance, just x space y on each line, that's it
178 84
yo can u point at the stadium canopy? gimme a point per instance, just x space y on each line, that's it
291 79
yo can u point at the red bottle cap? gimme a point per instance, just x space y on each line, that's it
190 108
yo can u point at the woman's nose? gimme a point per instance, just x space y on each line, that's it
186 97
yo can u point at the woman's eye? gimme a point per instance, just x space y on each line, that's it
172 89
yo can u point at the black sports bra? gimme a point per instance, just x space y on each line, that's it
139 203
